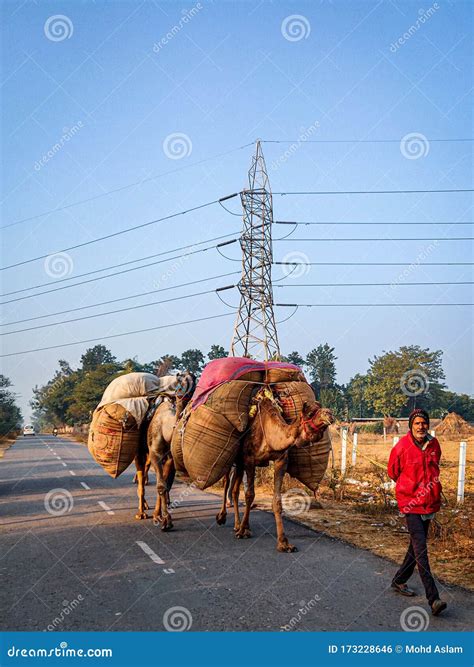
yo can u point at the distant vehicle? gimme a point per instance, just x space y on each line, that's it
55 432
28 430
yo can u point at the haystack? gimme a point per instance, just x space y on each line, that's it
454 424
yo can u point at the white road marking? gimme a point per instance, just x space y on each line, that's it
58 457
72 473
169 570
105 507
64 464
85 486
149 552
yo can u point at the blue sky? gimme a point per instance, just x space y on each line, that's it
228 74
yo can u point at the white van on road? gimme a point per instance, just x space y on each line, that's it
28 430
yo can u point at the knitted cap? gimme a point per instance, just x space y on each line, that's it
418 412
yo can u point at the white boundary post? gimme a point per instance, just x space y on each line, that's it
343 450
354 449
384 434
462 471
395 440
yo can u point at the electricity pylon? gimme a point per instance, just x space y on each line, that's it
255 333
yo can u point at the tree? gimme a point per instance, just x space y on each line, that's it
217 352
96 356
322 367
354 393
165 365
295 358
399 381
10 414
88 390
191 360
462 404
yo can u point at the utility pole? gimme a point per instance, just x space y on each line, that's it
255 333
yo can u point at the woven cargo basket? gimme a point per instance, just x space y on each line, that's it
113 438
210 445
284 375
308 464
292 396
232 400
177 440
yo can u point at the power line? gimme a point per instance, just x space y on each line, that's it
125 333
109 236
374 264
371 192
123 187
122 298
293 222
467 282
369 305
110 275
115 266
444 238
354 141
110 312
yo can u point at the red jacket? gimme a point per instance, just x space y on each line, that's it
416 473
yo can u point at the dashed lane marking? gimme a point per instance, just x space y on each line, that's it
105 507
64 464
85 486
72 473
149 552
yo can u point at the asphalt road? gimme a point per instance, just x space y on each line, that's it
74 558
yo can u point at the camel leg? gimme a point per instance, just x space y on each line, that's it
221 518
140 460
160 515
238 474
168 473
279 473
244 530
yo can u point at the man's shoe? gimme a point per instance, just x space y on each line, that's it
403 589
438 606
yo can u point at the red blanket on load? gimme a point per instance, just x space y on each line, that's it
223 370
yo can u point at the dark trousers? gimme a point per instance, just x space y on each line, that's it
417 554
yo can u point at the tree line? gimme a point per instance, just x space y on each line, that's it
10 415
394 383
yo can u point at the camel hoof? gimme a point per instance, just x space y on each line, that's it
139 516
286 547
166 524
221 518
243 534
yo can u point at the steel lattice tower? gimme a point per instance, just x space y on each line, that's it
255 333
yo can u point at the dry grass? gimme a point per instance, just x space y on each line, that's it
6 441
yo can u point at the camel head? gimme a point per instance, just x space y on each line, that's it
314 421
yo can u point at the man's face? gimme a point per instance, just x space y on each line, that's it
419 428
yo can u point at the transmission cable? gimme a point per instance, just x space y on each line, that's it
125 333
294 222
122 298
467 282
371 192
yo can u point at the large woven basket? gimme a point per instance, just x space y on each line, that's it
292 396
210 445
308 464
284 375
113 438
232 400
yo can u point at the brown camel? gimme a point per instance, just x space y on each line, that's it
268 439
155 451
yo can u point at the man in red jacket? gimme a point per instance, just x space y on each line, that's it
414 466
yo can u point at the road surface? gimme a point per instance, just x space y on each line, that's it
74 558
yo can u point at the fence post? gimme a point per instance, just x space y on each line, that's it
343 450
385 434
462 471
395 440
354 449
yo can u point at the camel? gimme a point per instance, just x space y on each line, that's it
268 439
154 450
